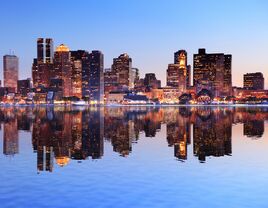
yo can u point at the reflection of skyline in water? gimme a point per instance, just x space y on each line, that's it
63 134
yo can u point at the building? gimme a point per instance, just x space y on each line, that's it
136 74
214 68
45 50
122 67
11 71
176 77
180 57
110 81
96 78
83 56
151 82
24 86
63 68
254 81
77 78
42 68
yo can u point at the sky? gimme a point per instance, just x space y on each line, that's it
150 31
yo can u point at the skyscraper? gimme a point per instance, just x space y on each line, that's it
215 69
77 78
63 68
11 70
122 66
176 77
42 68
180 57
254 81
96 78
83 56
45 50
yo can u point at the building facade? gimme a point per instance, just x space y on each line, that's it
11 71
96 78
43 68
83 56
63 68
122 67
254 81
213 68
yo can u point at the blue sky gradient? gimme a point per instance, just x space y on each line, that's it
149 31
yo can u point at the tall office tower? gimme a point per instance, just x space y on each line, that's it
227 82
96 78
83 56
45 50
77 78
254 81
11 71
215 69
176 77
122 66
180 57
42 68
63 68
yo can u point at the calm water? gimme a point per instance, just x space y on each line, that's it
134 157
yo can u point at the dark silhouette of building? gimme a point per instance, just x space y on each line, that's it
24 86
254 81
96 78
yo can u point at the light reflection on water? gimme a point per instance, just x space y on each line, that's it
134 157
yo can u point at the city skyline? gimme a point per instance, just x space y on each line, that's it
156 38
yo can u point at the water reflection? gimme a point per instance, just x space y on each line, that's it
63 134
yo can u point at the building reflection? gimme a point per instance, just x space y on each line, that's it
64 134
212 133
10 135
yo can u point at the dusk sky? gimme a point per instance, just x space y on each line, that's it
150 31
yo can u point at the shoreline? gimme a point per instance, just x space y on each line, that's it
136 105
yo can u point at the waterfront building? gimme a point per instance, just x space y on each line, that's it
254 81
214 68
150 81
63 68
96 78
176 77
11 71
83 56
77 78
42 67
180 57
24 86
122 67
